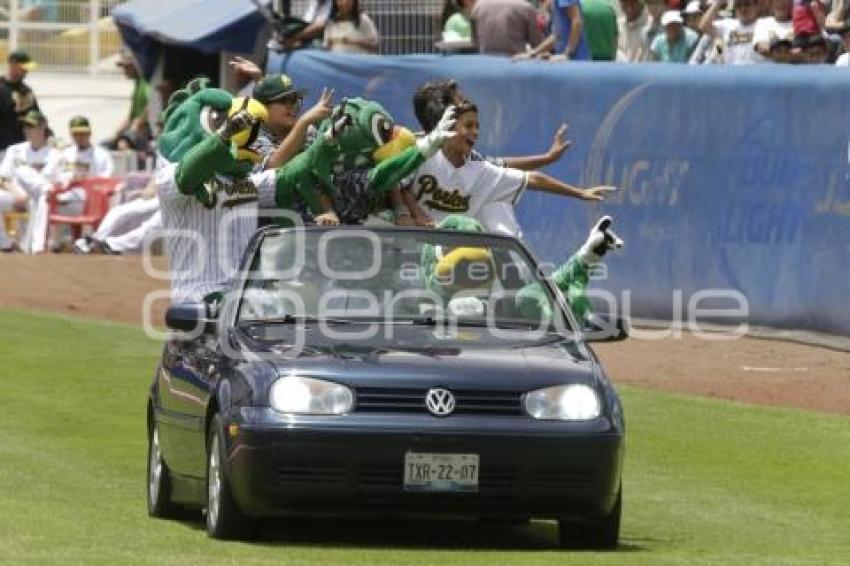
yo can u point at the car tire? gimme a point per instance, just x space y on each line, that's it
603 533
224 519
159 480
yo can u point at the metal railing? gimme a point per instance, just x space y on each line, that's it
404 26
61 35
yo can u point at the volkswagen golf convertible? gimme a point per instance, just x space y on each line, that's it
393 371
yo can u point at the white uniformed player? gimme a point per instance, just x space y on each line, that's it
29 168
451 182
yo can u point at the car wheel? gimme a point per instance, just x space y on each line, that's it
159 481
224 519
603 533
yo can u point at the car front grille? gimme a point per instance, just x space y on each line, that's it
412 400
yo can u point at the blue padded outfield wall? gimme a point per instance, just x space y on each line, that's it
730 178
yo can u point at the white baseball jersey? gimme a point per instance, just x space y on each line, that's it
205 245
94 161
478 189
21 154
738 40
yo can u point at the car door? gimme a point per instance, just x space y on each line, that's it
186 384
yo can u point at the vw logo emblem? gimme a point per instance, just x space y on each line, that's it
440 402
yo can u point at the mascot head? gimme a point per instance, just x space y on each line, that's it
448 271
372 135
197 111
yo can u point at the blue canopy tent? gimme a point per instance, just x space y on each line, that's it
207 26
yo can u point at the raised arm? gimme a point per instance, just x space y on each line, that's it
542 182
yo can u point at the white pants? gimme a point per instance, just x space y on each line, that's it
7 203
37 188
126 217
133 240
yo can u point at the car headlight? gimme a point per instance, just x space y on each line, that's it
309 396
574 402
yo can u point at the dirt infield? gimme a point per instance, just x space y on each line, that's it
752 370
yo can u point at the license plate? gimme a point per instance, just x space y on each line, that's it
440 472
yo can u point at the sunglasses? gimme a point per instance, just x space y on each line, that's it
291 100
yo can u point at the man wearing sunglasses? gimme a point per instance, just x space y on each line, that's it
733 35
284 134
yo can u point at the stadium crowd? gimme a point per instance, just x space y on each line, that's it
677 31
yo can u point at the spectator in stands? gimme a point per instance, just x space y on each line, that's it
456 20
135 126
600 22
316 15
16 99
633 46
838 18
844 58
677 43
570 33
349 29
692 14
778 25
808 18
30 169
656 9
734 35
505 27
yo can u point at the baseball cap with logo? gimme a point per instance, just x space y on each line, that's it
79 125
33 118
275 87
23 59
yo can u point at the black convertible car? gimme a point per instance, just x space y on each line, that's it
399 371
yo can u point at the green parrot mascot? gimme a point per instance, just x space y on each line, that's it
444 273
358 155
207 133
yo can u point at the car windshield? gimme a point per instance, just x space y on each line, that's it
396 276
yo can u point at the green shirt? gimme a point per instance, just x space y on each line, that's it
139 99
458 27
600 27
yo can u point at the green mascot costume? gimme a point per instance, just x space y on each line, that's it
358 156
444 272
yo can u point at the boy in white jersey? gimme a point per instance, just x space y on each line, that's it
28 171
451 182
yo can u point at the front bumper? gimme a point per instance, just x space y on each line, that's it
354 464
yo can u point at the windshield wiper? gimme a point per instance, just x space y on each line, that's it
501 324
294 319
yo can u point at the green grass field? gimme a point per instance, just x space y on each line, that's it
705 481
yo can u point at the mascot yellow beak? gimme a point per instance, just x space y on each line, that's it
248 136
466 268
401 139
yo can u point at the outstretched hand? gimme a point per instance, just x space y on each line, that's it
339 121
321 110
444 130
599 193
560 143
245 68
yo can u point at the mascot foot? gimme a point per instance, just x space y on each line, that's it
601 239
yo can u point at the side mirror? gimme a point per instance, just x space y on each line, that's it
189 317
605 329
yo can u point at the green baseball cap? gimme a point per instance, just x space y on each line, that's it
33 118
274 87
79 125
23 59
